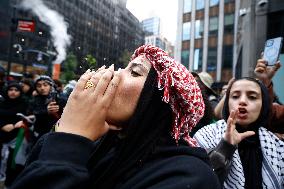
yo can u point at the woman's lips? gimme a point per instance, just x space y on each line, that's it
243 113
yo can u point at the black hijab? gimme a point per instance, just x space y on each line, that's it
150 124
249 148
8 112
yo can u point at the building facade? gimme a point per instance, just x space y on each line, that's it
151 26
258 21
103 29
205 36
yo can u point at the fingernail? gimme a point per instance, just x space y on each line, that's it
111 67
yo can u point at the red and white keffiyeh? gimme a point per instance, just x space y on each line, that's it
181 91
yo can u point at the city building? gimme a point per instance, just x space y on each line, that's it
103 29
205 36
152 29
162 42
258 21
151 26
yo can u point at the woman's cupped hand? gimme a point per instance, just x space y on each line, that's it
87 107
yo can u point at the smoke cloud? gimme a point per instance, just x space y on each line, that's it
58 27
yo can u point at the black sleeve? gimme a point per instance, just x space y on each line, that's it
220 158
175 172
58 160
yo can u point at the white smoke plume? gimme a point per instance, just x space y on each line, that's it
55 21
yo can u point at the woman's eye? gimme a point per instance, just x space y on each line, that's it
252 97
134 73
235 96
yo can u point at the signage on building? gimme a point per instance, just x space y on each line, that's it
43 67
26 26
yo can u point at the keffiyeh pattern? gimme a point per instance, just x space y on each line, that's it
181 91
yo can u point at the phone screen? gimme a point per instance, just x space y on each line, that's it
272 50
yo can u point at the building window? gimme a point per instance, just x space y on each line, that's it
228 1
199 28
187 6
227 56
186 31
197 64
185 58
212 59
214 3
213 26
200 4
229 23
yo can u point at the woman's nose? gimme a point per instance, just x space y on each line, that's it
243 99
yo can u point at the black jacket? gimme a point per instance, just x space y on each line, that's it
59 160
38 107
8 110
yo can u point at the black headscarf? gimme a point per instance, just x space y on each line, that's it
8 111
150 124
249 148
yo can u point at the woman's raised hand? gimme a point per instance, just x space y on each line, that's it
232 136
87 106
265 73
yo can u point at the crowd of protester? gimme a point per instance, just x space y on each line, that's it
153 124
29 108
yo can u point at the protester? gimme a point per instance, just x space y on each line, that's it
205 82
265 74
219 107
28 88
59 87
47 106
246 154
13 103
144 114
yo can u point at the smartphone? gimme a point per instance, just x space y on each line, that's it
53 95
272 50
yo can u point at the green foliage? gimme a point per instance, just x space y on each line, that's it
92 62
125 58
70 66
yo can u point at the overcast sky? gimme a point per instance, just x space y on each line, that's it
165 9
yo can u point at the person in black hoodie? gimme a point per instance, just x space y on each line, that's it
13 103
139 117
28 88
47 106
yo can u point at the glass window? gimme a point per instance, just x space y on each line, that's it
227 56
199 28
213 26
212 59
187 6
186 31
228 1
214 3
229 23
229 19
200 4
185 58
197 64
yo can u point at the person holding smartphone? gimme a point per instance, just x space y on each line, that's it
265 73
44 105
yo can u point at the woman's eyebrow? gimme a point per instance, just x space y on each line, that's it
254 92
139 65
